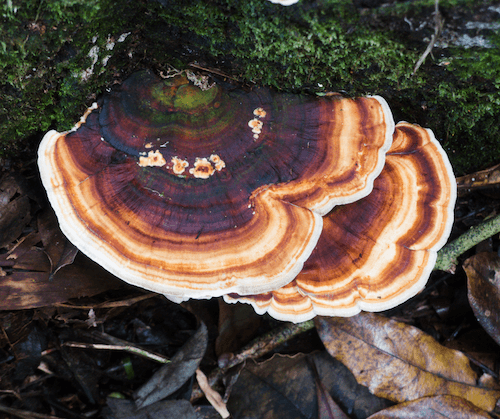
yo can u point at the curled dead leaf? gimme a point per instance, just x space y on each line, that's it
212 396
58 248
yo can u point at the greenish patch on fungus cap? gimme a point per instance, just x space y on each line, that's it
224 194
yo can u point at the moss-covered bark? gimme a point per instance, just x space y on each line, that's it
56 56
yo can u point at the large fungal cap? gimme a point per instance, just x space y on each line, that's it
170 188
376 253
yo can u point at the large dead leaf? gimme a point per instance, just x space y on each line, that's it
438 407
22 290
483 284
42 276
400 362
285 387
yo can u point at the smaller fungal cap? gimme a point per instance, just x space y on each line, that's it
375 253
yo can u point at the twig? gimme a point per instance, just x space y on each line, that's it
447 256
109 304
127 348
438 26
210 70
25 414
256 349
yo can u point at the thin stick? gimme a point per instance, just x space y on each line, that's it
109 304
127 348
219 73
438 26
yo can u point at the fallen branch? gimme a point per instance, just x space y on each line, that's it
447 256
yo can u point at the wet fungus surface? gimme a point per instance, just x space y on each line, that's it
199 193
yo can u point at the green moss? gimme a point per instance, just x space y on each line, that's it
329 45
470 94
313 47
294 48
44 49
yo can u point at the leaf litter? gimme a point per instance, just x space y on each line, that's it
400 362
52 297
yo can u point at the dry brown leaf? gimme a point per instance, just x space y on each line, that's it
60 251
34 260
23 245
438 407
400 362
483 286
22 290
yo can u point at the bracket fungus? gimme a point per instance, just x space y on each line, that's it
200 193
375 253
